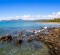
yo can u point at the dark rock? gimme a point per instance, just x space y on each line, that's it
29 39
52 40
6 38
18 41
37 37
21 33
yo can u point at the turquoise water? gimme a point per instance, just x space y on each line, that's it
33 48
10 27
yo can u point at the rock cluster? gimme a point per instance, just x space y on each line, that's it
52 40
49 36
29 39
6 38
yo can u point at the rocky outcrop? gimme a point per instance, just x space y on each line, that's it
15 40
49 36
52 40
6 38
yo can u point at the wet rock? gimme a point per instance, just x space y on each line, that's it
18 41
52 40
29 39
21 33
20 37
6 38
37 37
30 33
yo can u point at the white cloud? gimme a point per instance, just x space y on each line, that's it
6 18
57 13
25 17
17 17
33 17
54 15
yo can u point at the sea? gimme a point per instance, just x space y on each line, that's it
33 48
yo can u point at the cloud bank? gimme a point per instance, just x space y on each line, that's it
33 17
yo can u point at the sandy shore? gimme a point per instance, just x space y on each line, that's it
50 22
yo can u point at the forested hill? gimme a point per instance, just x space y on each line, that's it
50 20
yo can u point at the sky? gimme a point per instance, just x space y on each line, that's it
29 9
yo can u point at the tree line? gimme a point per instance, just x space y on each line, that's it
50 20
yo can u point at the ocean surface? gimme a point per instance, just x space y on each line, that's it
10 27
33 48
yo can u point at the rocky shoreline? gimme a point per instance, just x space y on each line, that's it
50 36
52 40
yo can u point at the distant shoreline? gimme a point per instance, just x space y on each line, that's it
50 22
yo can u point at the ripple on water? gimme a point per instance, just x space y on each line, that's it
33 48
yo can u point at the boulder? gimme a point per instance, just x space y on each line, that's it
6 38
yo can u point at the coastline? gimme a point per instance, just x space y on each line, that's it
50 22
48 36
52 41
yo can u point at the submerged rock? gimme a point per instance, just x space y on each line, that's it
18 41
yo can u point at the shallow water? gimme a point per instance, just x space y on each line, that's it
33 48
25 49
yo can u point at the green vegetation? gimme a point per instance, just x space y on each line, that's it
51 20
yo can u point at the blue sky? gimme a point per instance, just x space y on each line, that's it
29 9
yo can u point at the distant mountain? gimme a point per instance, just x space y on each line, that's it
13 20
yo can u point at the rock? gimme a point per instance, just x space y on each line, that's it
6 38
30 33
20 37
37 37
29 39
18 41
21 33
52 40
37 31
